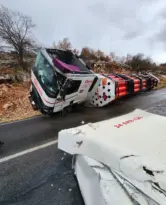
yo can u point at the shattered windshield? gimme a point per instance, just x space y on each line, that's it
46 74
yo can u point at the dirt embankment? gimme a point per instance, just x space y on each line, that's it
14 88
14 102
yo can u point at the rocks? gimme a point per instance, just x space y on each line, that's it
14 102
3 89
7 105
22 76
5 79
8 60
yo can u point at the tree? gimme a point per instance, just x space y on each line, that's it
75 51
107 58
140 63
15 30
113 57
100 55
88 54
65 44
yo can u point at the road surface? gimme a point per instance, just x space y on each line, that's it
44 176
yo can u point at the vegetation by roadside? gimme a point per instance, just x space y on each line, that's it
162 83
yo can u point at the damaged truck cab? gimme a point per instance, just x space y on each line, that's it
60 79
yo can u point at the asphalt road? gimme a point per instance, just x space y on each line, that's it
45 177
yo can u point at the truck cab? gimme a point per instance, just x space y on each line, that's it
59 79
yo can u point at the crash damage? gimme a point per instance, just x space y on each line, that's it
119 166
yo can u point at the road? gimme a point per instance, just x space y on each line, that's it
44 176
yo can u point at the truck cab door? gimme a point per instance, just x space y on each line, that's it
67 94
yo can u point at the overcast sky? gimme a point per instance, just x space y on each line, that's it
120 26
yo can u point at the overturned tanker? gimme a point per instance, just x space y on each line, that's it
60 79
120 160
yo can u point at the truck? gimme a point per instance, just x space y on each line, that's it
60 80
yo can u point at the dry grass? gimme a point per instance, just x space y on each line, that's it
162 83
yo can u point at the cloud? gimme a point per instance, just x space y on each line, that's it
132 34
158 39
121 26
161 35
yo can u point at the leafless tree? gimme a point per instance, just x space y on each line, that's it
113 57
15 30
65 44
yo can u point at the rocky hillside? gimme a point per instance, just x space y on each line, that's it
14 102
14 89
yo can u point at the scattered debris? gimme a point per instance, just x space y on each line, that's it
52 185
70 189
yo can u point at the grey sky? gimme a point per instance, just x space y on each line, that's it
120 26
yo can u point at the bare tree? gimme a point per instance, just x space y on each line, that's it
75 51
15 30
65 44
113 57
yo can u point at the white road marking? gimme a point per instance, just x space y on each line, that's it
28 151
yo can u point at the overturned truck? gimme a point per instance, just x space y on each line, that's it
120 160
61 79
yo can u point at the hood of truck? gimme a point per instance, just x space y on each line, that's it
132 145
